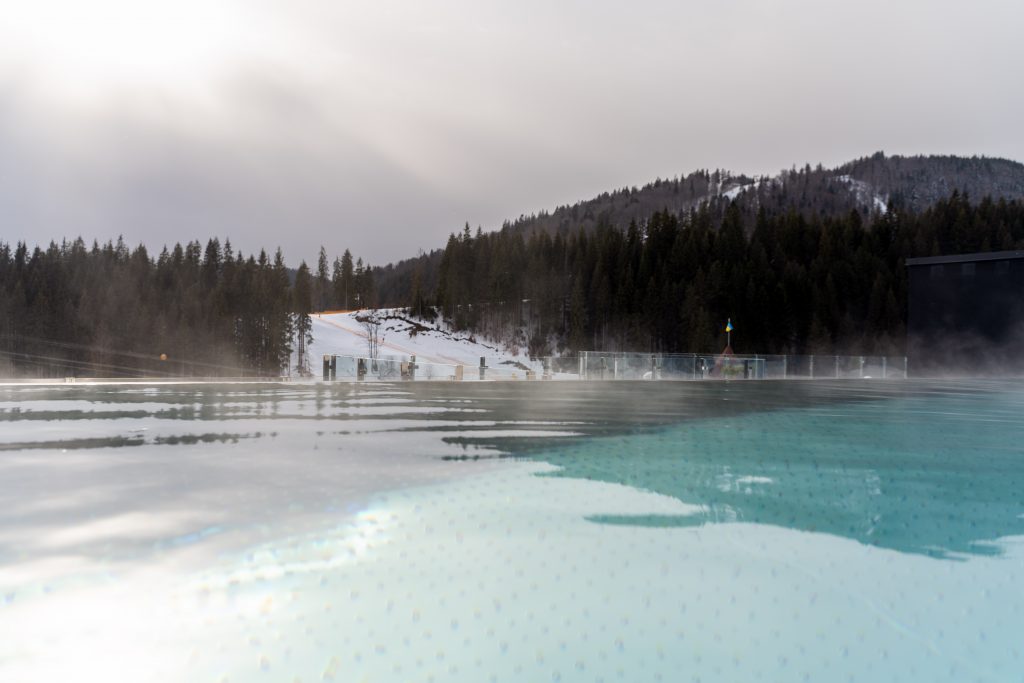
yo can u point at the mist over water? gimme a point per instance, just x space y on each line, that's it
869 530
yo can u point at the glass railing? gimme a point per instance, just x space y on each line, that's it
409 368
598 365
603 365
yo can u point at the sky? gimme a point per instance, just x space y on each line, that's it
383 126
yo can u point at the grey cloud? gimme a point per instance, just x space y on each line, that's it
403 120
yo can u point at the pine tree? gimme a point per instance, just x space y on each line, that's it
323 289
302 323
347 278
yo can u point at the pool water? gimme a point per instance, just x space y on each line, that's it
853 531
914 475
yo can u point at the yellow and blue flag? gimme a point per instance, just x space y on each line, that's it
728 326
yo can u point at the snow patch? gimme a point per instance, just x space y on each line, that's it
865 194
736 191
403 336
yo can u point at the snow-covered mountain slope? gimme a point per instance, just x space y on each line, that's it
865 193
401 337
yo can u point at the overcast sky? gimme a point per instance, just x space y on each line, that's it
383 126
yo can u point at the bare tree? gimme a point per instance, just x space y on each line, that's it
374 337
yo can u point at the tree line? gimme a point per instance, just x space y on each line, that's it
345 285
793 283
107 310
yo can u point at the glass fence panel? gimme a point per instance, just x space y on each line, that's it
873 367
799 366
895 368
775 367
608 366
397 368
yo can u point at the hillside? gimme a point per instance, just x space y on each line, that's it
916 183
867 185
434 344
809 260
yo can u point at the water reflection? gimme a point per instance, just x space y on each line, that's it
940 475
401 533
921 467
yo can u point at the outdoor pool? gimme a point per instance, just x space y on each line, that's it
512 531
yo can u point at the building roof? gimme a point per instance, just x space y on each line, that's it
966 258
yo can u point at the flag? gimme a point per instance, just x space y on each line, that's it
728 326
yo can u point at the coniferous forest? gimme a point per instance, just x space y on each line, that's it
790 283
72 310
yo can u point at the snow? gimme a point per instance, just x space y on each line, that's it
403 336
734 192
865 194
863 191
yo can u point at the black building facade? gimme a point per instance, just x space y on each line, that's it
966 315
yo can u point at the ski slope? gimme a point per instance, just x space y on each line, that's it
402 337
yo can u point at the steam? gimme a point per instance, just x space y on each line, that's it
967 354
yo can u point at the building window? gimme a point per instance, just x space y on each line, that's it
935 272
1002 267
968 269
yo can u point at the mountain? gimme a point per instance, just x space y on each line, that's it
918 182
868 185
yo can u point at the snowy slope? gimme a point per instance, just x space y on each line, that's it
737 190
402 337
865 193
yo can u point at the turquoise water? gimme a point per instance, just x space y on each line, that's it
775 531
939 475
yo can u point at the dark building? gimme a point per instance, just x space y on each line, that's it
966 314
